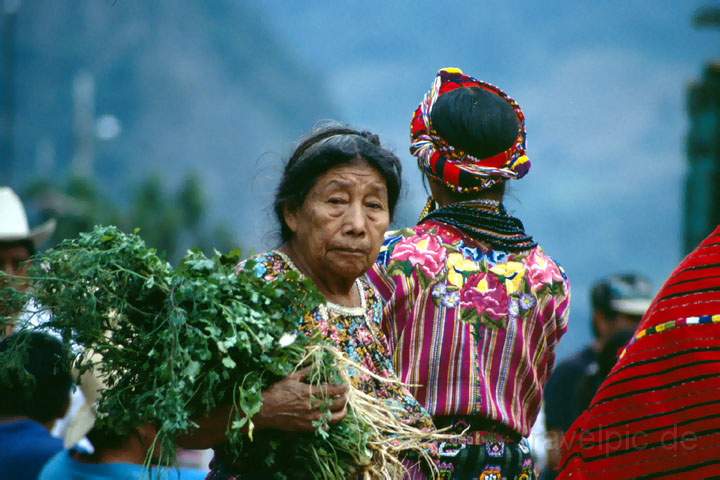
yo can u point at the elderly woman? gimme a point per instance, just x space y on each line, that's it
475 307
334 203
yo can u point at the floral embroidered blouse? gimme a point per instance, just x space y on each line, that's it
356 331
472 330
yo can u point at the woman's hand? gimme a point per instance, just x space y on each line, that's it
292 405
289 405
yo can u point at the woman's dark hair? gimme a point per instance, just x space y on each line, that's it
104 439
476 121
37 383
327 148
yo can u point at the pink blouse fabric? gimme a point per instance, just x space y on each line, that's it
473 331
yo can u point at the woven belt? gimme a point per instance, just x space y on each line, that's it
477 430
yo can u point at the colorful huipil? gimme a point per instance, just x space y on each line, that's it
357 332
657 414
473 330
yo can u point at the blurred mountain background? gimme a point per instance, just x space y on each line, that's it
118 102
176 116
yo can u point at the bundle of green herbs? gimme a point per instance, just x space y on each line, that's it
176 343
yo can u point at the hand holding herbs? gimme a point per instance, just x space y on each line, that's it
291 404
178 344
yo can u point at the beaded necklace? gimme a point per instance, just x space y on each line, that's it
486 221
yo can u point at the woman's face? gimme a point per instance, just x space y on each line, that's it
339 228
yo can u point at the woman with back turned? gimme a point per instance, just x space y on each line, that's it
475 307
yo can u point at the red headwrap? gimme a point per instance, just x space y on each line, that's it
459 170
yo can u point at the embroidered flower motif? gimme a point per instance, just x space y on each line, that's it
496 256
259 269
527 302
451 300
439 290
484 294
363 337
492 257
471 253
513 273
491 473
457 265
323 326
425 252
542 272
442 296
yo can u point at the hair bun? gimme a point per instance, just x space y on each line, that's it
371 137
476 120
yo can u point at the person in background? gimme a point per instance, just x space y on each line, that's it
657 414
618 303
606 360
474 306
17 243
115 457
30 406
105 454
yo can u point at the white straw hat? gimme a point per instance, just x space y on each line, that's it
14 223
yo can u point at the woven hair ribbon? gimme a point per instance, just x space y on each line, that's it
459 170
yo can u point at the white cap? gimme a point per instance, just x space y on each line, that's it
631 306
14 223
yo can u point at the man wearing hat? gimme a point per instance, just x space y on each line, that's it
618 304
17 241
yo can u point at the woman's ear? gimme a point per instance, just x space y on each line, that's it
291 218
147 433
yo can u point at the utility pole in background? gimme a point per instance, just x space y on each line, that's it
7 92
702 184
83 124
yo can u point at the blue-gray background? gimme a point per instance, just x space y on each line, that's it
225 88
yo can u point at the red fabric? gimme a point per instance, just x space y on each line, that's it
417 124
502 165
451 173
499 160
434 160
657 415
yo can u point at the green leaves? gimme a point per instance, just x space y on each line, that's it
177 343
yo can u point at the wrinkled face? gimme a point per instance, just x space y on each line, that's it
339 228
